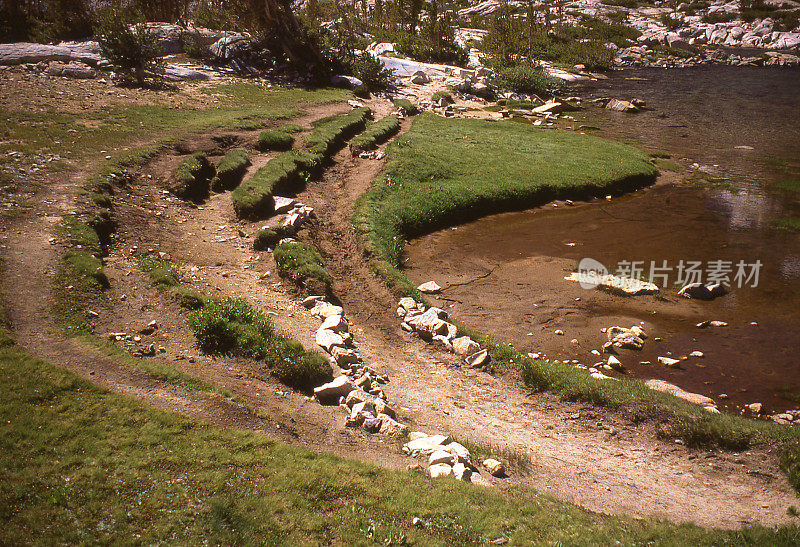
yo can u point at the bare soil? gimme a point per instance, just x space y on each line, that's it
598 459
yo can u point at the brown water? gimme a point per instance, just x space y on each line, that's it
504 274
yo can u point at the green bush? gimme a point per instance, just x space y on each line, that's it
441 94
409 107
303 266
193 177
269 237
376 133
304 372
528 79
274 139
132 50
230 170
231 326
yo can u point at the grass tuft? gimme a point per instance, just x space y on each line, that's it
230 170
303 266
163 273
376 133
193 177
267 238
406 106
274 139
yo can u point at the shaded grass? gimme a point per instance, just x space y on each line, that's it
375 133
163 273
330 134
791 185
303 266
406 105
81 464
787 223
193 177
267 238
230 170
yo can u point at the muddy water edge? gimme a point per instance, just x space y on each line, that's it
732 135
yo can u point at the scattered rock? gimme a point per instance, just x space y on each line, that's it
329 339
440 470
697 354
693 398
495 467
755 408
478 359
616 364
324 309
391 427
425 446
431 287
441 456
621 106
698 291
462 472
668 361
336 323
339 387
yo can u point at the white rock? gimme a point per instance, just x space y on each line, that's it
336 323
339 387
329 339
391 427
755 408
460 452
668 361
478 359
440 470
495 467
465 346
697 354
425 445
431 287
615 363
324 309
693 398
462 472
441 456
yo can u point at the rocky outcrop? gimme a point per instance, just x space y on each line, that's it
25 52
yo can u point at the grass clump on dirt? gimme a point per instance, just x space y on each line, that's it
787 223
253 198
232 326
193 177
376 133
82 462
442 94
267 238
303 266
163 273
274 139
230 170
329 135
406 106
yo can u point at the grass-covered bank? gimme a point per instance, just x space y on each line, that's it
445 171
82 465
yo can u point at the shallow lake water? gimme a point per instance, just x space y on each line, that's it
740 128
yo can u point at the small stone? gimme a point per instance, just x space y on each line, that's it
615 364
478 359
558 332
668 361
755 408
495 467
431 287
441 456
697 354
465 346
462 472
440 470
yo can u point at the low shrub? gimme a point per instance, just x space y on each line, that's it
231 326
300 369
407 106
718 17
441 94
230 170
528 79
163 273
303 266
269 237
193 177
376 133
274 139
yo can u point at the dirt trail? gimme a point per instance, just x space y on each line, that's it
579 453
